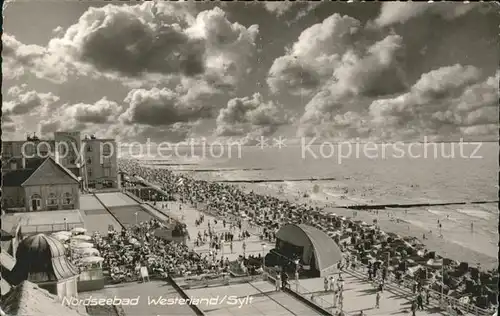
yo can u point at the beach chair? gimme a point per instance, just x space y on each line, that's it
144 274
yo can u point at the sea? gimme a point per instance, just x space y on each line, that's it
442 174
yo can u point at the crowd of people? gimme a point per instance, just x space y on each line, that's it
126 252
404 257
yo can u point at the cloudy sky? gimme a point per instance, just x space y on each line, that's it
171 71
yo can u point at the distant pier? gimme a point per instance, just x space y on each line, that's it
276 180
384 206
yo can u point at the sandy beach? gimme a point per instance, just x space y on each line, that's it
457 243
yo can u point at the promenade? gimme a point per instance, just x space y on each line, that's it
359 294
95 215
149 294
255 298
188 215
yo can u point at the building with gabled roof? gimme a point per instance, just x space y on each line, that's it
46 186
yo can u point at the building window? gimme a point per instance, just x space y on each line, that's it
107 172
89 172
89 161
67 199
36 202
106 150
89 148
62 149
52 202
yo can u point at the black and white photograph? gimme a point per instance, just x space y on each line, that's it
227 158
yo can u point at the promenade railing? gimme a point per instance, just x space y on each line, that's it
272 275
438 299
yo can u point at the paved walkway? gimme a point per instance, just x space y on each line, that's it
149 296
256 298
188 215
95 216
359 295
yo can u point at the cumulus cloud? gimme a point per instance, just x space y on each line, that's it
400 12
161 107
8 125
101 112
278 7
143 133
89 118
162 38
313 57
448 101
58 31
19 59
250 115
342 127
337 63
48 127
27 102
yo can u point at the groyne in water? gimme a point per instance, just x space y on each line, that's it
220 170
275 180
153 163
384 206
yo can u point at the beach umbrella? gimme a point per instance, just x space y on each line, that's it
92 259
82 237
84 245
434 263
79 230
91 251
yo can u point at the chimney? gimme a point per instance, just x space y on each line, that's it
119 180
56 153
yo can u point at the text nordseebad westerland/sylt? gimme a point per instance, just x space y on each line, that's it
159 300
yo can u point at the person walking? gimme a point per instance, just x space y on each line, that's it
331 283
278 282
377 300
284 280
413 308
420 301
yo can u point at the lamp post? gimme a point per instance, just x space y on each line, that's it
264 259
297 275
65 224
